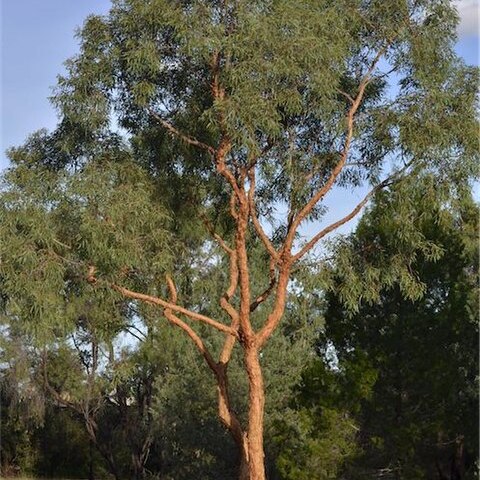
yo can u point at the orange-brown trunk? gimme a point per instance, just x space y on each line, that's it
256 456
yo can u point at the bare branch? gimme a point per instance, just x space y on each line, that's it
234 315
346 95
158 301
222 168
280 300
233 208
133 334
140 339
172 318
172 289
225 300
225 412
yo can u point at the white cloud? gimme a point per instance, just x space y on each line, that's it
469 13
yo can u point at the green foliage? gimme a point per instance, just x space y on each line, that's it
276 78
365 266
420 413
283 66
54 225
316 445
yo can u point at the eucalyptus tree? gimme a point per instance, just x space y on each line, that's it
242 116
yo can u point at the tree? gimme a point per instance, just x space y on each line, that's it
415 360
235 112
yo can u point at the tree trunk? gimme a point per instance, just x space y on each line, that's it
138 466
256 456
90 460
243 470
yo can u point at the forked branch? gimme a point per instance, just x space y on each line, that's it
333 226
355 104
159 301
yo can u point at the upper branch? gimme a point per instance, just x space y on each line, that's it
256 222
220 154
355 104
330 228
187 139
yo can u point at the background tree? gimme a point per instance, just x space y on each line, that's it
406 369
249 109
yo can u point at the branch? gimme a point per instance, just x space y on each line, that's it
280 301
177 133
262 297
222 168
233 208
346 95
158 301
226 414
234 315
388 181
305 211
138 330
215 235
225 300
218 94
256 222
172 318
140 339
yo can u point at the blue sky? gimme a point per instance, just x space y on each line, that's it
37 36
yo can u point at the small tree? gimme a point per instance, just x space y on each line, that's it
245 115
